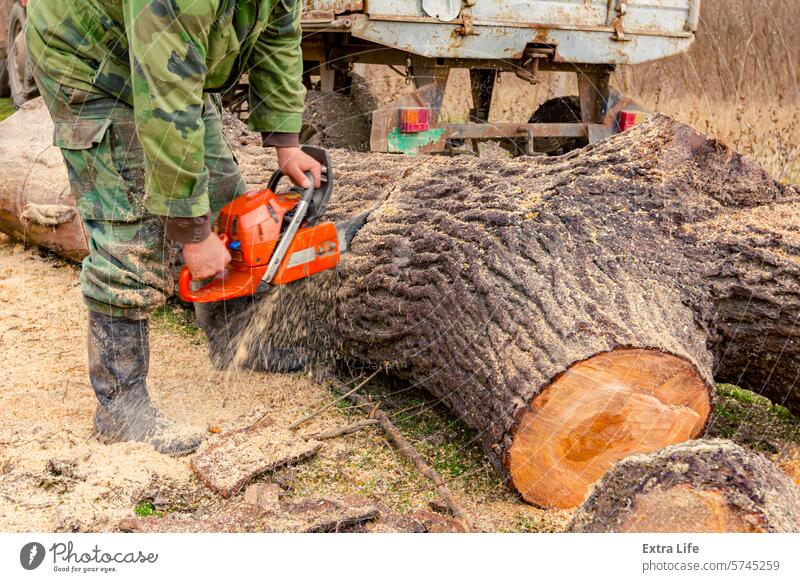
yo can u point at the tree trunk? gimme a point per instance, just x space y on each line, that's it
35 200
701 486
571 310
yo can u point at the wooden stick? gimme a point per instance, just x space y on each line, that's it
410 453
343 430
308 417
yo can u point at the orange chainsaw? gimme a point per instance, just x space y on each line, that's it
275 239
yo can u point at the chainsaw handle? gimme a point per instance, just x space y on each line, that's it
185 279
320 196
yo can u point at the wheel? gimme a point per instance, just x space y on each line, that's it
568 110
20 77
556 110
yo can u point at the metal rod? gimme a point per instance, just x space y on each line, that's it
509 130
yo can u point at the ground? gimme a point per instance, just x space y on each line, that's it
6 108
55 476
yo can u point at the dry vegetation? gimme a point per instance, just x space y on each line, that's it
740 81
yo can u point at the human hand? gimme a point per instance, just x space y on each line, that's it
294 163
207 258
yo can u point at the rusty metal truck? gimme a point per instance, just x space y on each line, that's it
530 38
428 38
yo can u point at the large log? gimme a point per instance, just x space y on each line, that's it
701 486
36 204
572 310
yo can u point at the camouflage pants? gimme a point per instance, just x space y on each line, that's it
129 270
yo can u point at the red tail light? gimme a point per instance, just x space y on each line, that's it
628 119
414 120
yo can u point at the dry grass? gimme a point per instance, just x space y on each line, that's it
743 50
739 81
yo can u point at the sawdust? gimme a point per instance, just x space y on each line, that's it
47 405
334 120
237 457
54 476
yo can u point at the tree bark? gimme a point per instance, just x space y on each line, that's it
700 486
571 310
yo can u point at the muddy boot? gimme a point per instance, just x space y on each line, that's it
119 356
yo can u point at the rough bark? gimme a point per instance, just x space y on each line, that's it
493 283
700 486
485 280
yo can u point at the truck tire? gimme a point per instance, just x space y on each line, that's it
20 79
568 110
556 110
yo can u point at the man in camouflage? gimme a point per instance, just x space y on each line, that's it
132 86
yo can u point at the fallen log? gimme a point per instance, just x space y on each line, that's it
36 204
700 486
572 310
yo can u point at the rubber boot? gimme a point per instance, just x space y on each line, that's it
119 357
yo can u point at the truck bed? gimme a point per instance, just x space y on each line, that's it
581 31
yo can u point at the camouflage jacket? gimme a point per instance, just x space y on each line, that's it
177 50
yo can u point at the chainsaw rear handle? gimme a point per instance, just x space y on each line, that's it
322 195
185 279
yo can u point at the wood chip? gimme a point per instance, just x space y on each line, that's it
239 456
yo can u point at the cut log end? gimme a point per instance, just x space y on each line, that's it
601 410
699 486
683 509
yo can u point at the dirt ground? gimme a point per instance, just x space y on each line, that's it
54 476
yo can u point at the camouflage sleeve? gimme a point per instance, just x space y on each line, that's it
168 41
276 72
